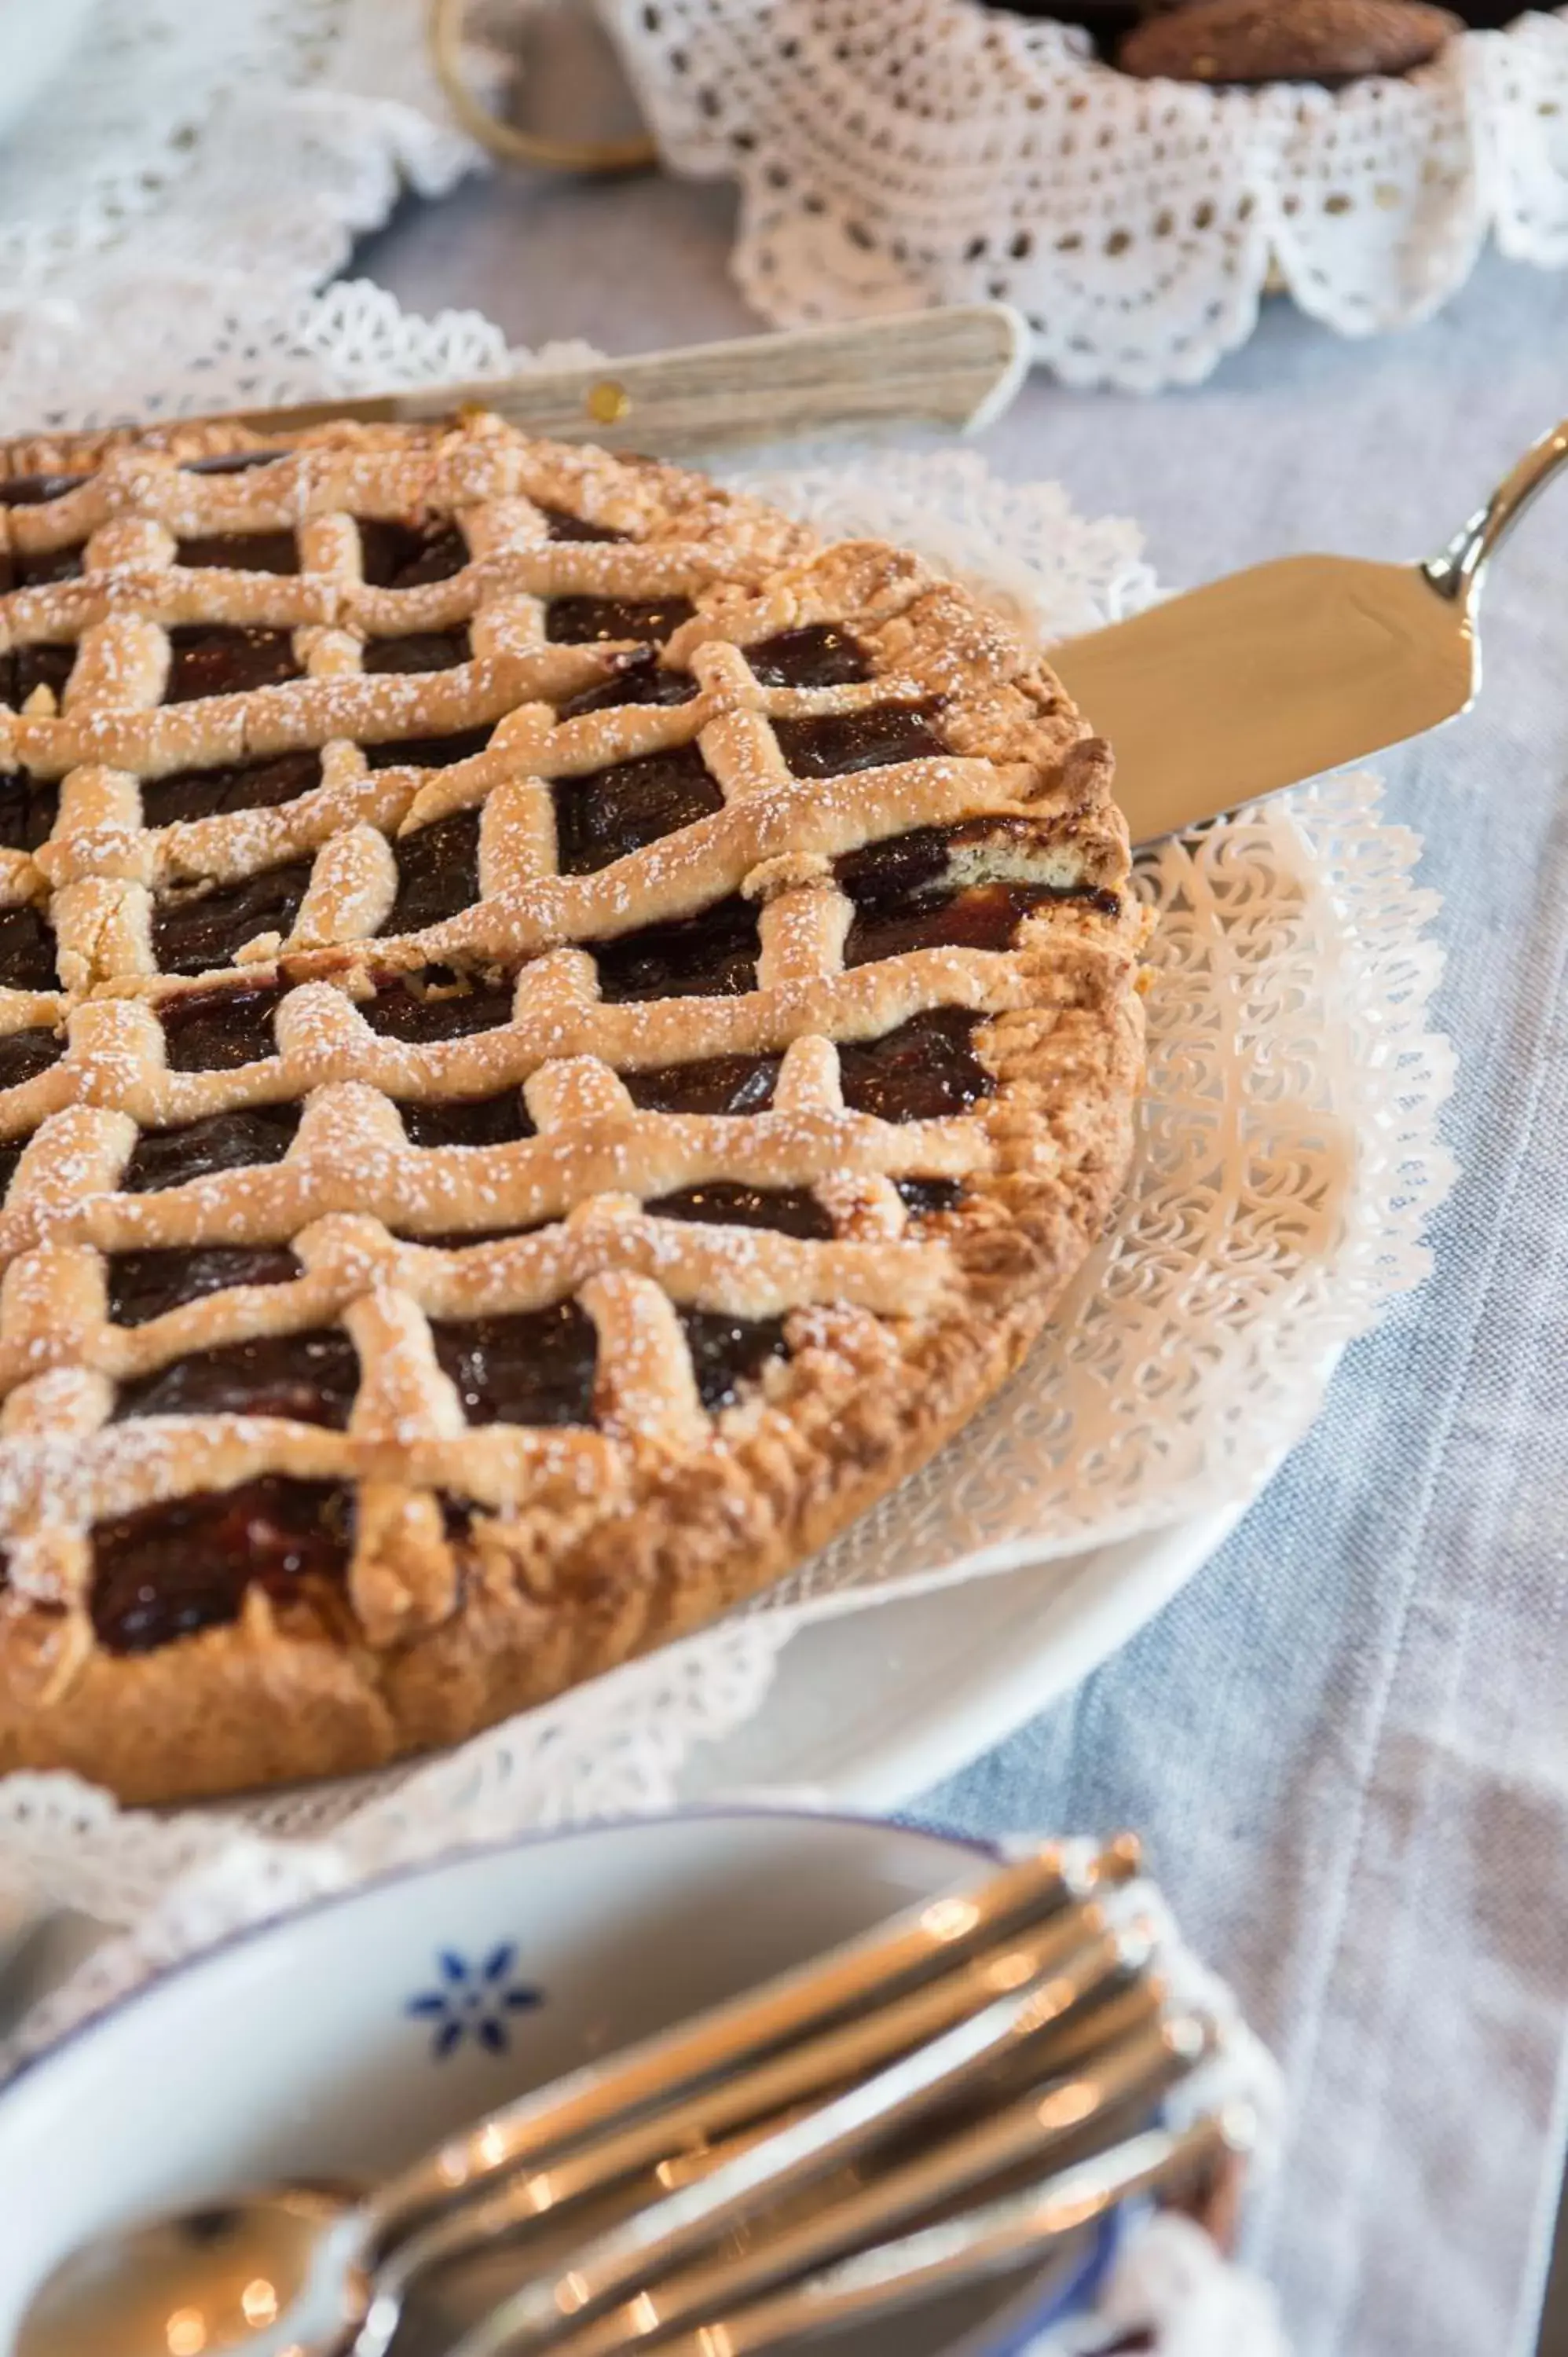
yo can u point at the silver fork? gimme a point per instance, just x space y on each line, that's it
964 2157
1001 2237
623 2259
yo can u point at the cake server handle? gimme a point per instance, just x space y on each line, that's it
1456 572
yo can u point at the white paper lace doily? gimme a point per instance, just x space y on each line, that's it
1289 1160
943 151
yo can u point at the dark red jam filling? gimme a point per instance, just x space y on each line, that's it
427 752
420 650
194 931
223 1141
981 917
25 1054
904 864
575 622
924 1071
565 525
615 810
898 867
399 555
822 654
438 1002
728 1351
713 1084
500 1120
307 1378
221 659
903 901
438 872
925 1196
534 1368
834 743
238 786
46 565
27 949
241 552
713 956
643 679
10 1154
144 1284
23 669
32 491
791 1210
170 1569
233 462
219 1031
28 810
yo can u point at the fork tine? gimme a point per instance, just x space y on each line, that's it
1025 2135
926 1939
651 2241
1006 2235
815 2066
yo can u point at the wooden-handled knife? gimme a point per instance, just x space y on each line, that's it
956 368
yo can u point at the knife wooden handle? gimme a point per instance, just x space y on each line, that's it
957 367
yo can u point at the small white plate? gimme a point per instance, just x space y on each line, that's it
342 2041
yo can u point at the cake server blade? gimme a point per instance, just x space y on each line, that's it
1275 674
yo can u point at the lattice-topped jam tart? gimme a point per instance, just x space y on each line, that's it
556 1037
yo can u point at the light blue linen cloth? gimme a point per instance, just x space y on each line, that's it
1345 1741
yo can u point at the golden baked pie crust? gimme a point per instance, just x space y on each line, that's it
578 1545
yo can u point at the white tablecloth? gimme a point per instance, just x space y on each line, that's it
1344 1741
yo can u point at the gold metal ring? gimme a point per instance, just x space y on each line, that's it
447 20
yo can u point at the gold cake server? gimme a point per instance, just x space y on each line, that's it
1272 675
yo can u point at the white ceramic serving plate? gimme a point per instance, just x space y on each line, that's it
868 1709
346 2039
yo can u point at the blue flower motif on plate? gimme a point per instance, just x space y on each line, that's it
475 2000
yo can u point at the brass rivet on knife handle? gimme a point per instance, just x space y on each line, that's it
504 139
606 402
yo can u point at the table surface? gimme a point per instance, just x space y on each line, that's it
1344 1741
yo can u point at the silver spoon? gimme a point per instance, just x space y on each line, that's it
184 2286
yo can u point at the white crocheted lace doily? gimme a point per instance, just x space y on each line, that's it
252 137
944 151
167 210
1289 1160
